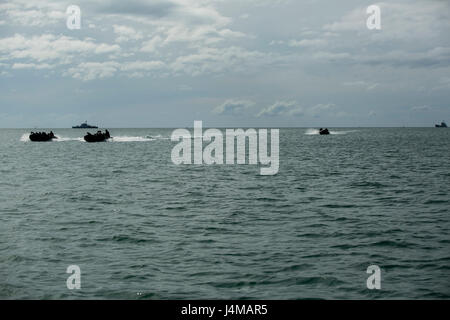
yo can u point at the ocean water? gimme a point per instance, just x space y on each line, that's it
140 227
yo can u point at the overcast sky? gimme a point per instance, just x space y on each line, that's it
230 63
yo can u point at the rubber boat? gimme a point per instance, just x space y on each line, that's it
97 137
324 131
42 136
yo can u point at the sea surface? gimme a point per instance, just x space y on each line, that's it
140 227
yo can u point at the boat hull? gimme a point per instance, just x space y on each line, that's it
41 138
96 137
89 127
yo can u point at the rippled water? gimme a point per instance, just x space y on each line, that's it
140 227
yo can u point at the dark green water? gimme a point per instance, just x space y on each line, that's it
140 227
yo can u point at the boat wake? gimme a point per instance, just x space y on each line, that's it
131 139
65 139
158 137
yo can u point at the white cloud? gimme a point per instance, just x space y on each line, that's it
282 108
212 60
405 21
152 44
51 47
93 70
319 108
33 13
434 57
31 66
233 107
292 108
87 71
142 65
307 43
126 33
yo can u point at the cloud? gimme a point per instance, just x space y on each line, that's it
214 60
332 56
87 71
352 21
32 13
186 36
434 57
320 108
421 108
281 108
438 56
361 84
405 21
154 8
126 33
292 108
196 22
412 36
93 70
152 44
233 45
233 107
444 83
142 65
31 66
51 47
307 43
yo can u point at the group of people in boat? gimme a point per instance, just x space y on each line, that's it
42 136
324 131
97 137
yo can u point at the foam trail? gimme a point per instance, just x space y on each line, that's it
157 137
25 137
131 139
65 139
342 132
312 131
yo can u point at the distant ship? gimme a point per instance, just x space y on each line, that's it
442 125
84 125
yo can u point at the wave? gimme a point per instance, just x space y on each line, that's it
25 137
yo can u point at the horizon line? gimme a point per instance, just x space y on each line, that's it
219 127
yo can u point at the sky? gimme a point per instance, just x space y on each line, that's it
229 63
